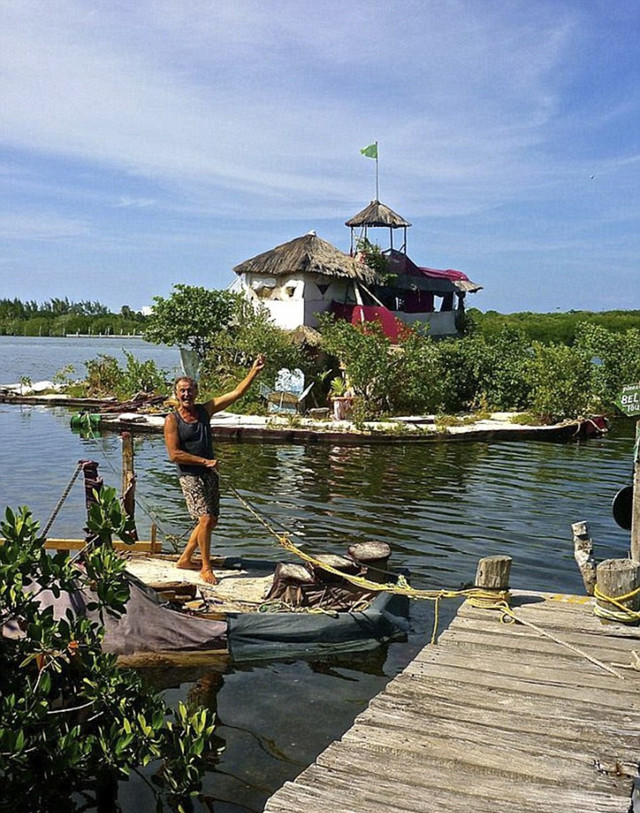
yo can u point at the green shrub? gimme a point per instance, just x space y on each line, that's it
105 377
615 358
71 721
561 383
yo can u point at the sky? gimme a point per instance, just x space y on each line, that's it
149 143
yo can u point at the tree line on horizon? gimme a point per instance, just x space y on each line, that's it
59 317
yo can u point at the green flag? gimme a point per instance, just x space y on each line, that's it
371 151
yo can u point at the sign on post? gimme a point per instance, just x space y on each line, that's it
629 399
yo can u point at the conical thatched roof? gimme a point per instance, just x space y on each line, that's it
377 214
311 255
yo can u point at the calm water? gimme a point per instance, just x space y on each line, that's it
441 507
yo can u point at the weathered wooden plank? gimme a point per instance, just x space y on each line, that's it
571 709
531 761
612 637
481 640
541 734
536 718
549 616
532 668
414 769
320 790
466 675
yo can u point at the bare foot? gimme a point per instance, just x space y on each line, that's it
208 576
188 565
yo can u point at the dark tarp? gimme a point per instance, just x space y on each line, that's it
147 626
273 634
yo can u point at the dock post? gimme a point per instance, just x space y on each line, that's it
128 478
583 554
493 573
635 510
373 557
618 577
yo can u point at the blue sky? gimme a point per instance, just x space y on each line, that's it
152 143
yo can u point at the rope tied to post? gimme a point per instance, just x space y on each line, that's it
621 613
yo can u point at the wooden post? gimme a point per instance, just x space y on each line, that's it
617 577
493 573
635 510
373 557
583 554
128 477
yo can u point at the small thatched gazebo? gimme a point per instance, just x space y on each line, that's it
377 215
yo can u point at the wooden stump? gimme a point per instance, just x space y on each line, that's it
617 577
293 573
493 573
373 557
583 554
341 563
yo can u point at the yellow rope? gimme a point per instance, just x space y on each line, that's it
622 614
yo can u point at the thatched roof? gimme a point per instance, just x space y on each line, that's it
377 214
311 255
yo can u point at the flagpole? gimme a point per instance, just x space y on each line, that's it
377 184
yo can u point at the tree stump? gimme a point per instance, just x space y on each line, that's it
373 557
615 578
342 563
493 573
289 572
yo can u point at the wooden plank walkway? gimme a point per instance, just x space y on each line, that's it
494 717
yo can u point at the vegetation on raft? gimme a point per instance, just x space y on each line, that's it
492 367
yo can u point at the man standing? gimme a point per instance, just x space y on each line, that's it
187 435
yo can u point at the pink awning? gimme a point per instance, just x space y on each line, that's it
449 274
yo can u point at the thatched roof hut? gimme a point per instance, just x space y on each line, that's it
311 255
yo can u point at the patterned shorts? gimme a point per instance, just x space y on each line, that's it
202 493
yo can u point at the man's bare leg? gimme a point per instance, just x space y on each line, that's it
184 562
200 538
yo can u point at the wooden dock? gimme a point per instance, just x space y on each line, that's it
494 718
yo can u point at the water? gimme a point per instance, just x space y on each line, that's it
440 506
41 358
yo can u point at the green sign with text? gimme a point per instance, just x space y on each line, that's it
629 399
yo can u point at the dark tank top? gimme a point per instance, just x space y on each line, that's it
195 438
